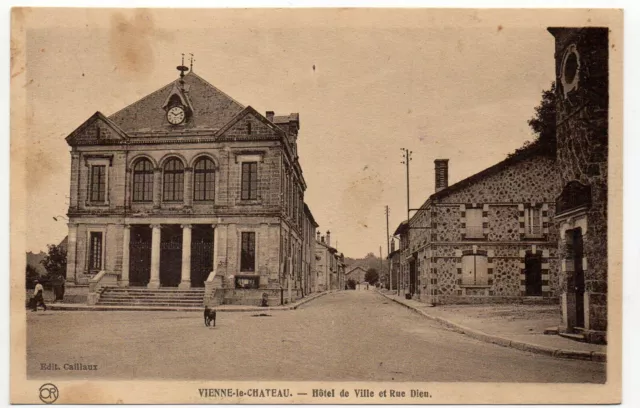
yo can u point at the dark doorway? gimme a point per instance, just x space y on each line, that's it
533 274
412 276
578 276
201 254
139 255
170 255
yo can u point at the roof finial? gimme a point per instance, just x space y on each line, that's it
182 69
191 62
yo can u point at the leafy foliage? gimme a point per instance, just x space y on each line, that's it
371 276
543 124
351 284
56 261
31 276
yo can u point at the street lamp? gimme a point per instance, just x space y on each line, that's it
60 217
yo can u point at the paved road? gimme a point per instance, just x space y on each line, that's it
353 335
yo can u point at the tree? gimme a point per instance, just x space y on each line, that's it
351 284
31 275
55 262
543 123
371 276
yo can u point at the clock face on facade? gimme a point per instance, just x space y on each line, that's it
176 115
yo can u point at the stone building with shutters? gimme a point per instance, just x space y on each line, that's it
487 238
582 112
189 188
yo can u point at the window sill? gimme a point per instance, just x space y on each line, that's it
476 286
249 202
96 204
533 236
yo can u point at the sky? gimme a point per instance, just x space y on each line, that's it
455 85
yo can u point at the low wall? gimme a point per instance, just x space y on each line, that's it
253 297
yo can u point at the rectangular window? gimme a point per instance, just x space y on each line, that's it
250 181
474 270
98 183
248 252
473 223
532 222
95 251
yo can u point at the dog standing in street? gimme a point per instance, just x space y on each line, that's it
209 316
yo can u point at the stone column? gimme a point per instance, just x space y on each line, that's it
157 187
154 281
188 187
124 278
185 281
128 187
71 253
75 180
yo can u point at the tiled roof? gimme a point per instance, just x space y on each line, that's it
212 108
295 117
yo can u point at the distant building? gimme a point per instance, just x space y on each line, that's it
329 264
356 274
582 111
394 267
487 238
309 252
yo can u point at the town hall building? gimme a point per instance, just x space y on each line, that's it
187 188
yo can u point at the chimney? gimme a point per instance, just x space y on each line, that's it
270 116
322 239
442 174
328 237
393 245
317 235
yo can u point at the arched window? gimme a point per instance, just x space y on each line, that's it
203 180
143 181
173 181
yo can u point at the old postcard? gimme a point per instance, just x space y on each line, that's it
317 206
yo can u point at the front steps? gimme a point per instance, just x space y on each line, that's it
162 297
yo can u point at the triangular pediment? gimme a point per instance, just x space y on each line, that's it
210 107
249 124
96 130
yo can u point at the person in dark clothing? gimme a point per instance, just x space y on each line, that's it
38 297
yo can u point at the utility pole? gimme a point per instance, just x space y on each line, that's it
386 211
406 156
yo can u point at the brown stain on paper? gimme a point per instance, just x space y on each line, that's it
131 42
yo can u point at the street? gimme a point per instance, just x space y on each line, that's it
344 336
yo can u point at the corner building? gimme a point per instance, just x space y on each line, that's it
188 188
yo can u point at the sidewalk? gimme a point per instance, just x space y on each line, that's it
514 325
220 308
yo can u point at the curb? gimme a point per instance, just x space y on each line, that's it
93 308
596 356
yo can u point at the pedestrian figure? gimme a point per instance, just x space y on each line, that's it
38 297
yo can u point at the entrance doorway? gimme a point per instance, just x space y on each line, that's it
412 275
533 274
578 276
575 278
170 255
201 254
140 255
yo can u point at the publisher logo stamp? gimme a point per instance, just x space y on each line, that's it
48 393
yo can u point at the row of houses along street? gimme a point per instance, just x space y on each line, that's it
531 228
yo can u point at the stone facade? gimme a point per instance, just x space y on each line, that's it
488 237
582 108
357 274
215 198
330 273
